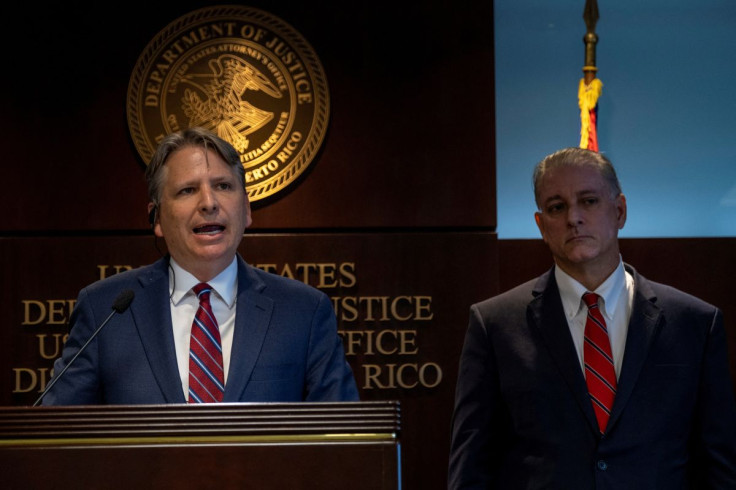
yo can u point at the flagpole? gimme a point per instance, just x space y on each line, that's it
590 87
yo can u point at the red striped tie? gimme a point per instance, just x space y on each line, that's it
600 374
206 375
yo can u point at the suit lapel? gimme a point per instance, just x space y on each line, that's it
643 327
547 314
152 317
252 318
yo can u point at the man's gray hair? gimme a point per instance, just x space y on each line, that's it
576 157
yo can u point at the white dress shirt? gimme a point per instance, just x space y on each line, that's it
616 298
184 305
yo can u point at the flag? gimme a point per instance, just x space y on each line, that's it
588 94
590 87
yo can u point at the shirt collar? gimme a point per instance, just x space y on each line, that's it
224 284
571 291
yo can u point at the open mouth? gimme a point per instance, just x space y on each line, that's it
209 229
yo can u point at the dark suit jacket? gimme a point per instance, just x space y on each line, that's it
523 417
285 344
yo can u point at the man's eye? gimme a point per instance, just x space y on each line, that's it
224 186
555 208
589 201
186 190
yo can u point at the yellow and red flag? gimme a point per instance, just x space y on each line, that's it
590 87
588 94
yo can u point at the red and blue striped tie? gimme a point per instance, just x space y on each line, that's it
206 374
600 375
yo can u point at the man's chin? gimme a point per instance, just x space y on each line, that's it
215 253
581 254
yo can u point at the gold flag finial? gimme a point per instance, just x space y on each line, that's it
590 16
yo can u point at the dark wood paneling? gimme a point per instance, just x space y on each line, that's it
429 278
323 445
410 142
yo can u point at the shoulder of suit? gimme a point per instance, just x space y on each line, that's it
666 294
669 297
146 273
522 293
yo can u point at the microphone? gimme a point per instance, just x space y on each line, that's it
121 303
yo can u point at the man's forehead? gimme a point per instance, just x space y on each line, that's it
572 176
572 193
190 158
571 182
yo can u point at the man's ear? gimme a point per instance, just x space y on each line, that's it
540 224
152 210
248 215
153 217
621 210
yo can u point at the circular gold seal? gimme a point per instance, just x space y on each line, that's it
244 74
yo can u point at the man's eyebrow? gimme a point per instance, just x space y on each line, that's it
223 178
556 197
188 182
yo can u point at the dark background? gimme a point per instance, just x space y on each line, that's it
404 184
410 140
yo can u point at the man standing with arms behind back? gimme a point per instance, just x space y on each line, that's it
591 376
264 338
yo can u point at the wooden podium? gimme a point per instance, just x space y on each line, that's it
320 446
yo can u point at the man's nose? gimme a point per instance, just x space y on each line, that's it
574 214
208 199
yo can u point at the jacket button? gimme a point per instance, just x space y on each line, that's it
602 465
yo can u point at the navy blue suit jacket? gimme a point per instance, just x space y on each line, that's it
523 417
285 344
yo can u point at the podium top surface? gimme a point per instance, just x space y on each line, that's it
221 420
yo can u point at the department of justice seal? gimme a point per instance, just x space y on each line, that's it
244 74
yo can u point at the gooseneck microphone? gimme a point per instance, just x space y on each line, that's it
121 303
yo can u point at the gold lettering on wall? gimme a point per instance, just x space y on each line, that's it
111 270
320 275
50 314
407 376
373 326
381 332
27 380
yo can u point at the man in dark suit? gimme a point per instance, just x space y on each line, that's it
276 339
639 400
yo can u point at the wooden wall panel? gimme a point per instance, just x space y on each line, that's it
404 184
324 445
410 141
386 288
